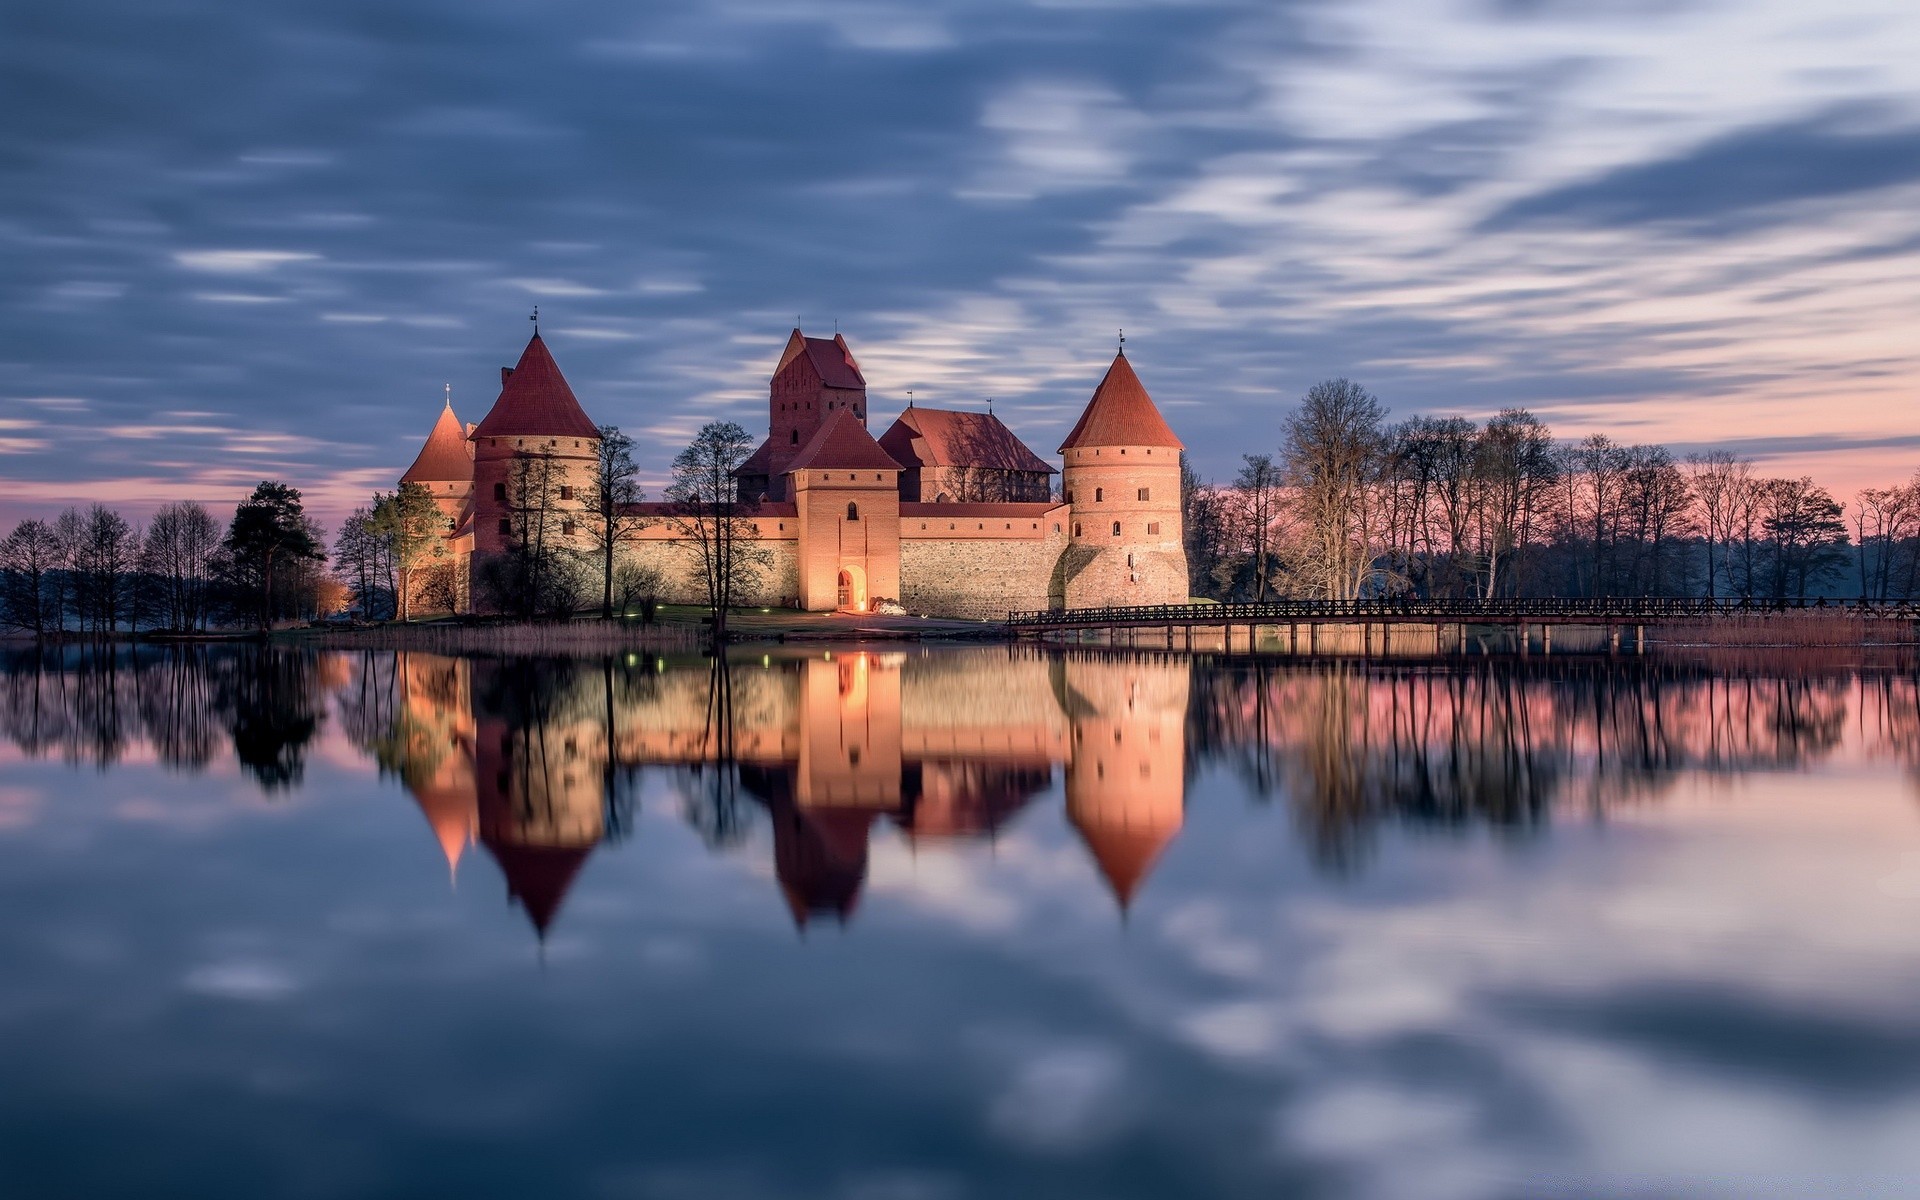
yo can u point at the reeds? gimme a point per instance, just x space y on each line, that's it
532 639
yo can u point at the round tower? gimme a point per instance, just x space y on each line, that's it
533 458
1121 475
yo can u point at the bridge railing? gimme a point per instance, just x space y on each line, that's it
1599 608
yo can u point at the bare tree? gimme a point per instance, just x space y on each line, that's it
710 516
1514 460
1722 485
611 497
177 555
1333 447
31 559
103 570
1259 489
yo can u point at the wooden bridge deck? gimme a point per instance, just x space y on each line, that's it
1601 610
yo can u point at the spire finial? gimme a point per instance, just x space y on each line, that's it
535 318
909 397
989 405
1123 342
449 388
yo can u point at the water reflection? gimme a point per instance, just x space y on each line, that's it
538 761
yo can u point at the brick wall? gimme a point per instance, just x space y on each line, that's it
976 576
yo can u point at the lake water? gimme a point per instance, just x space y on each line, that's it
879 925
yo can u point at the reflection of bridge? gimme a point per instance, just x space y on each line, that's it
1435 626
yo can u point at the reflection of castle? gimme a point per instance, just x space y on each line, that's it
943 748
530 791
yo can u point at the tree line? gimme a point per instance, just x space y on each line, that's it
91 572
1351 505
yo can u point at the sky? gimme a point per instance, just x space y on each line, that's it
258 241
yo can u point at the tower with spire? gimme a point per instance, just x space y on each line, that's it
533 458
1121 480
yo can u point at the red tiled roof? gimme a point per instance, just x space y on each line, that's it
1121 414
939 437
1124 853
535 401
829 357
760 462
842 443
444 459
1035 510
538 877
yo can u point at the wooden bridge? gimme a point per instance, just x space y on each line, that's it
1420 626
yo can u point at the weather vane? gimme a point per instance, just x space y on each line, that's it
909 397
1123 341
535 318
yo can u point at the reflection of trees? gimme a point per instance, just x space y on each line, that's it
96 704
1494 744
272 703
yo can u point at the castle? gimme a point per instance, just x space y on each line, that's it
947 512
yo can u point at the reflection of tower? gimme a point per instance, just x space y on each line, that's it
542 788
847 772
850 733
433 747
1126 780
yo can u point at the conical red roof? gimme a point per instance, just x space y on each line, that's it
1121 414
538 877
535 401
842 443
1125 853
444 459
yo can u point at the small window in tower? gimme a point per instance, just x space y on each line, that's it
1143 494
566 528
1129 560
1123 452
1153 527
1099 494
853 511
793 437
506 526
566 493
1116 529
499 491
1056 527
1076 529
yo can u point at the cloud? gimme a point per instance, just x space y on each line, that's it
1749 175
1648 218
239 262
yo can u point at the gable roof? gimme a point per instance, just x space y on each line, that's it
535 401
1121 414
444 458
830 358
842 443
940 437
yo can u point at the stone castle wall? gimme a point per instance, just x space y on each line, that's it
683 582
983 578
